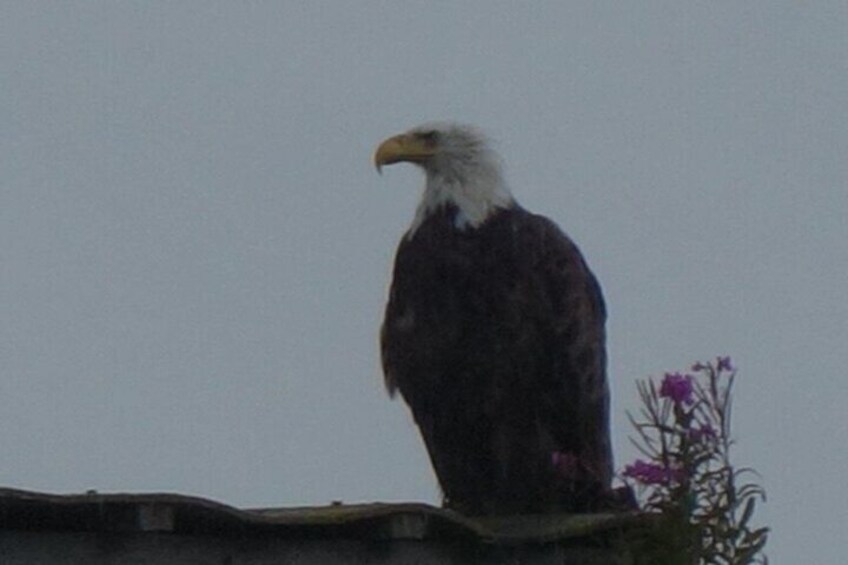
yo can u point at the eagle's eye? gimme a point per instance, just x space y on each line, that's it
429 137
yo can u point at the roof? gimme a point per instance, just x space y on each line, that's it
199 519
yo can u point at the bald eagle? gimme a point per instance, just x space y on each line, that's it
494 336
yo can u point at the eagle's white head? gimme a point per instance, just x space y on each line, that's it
461 167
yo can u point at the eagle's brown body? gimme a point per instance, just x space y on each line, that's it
494 336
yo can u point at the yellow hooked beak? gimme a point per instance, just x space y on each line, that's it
404 147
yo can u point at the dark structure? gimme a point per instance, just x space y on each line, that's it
494 336
167 529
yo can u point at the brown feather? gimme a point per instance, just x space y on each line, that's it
494 336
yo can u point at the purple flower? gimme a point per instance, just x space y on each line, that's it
678 388
723 364
567 464
651 473
705 432
699 366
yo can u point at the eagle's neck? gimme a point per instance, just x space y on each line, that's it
476 190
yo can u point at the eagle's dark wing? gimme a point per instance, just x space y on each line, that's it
495 339
577 340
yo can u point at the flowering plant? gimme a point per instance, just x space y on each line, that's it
687 477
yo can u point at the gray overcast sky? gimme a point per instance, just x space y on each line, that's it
196 247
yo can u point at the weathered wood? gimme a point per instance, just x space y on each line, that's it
180 530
